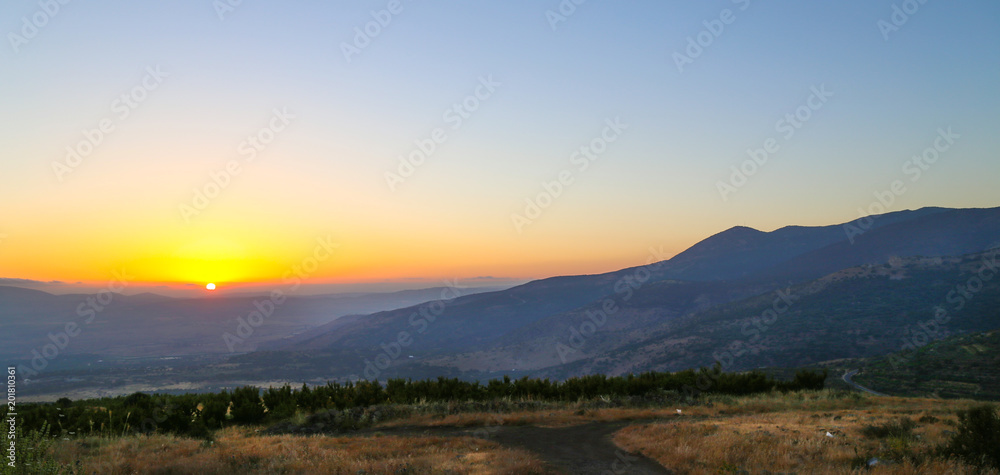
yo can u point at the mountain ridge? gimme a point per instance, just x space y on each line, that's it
522 327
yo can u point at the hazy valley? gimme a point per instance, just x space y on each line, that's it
744 299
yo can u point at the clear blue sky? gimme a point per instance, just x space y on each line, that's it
656 184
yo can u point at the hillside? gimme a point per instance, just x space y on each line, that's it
961 366
940 233
859 312
742 252
709 303
680 312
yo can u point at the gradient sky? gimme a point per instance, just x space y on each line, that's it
323 176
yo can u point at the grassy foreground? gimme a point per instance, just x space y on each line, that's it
807 432
764 433
239 450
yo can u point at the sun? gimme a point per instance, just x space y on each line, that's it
210 286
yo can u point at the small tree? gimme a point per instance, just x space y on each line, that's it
978 439
213 410
247 407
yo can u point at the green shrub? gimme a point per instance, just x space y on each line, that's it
901 428
805 379
198 430
247 406
978 439
34 453
213 412
186 414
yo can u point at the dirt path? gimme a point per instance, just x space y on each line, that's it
580 449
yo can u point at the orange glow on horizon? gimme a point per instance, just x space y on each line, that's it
254 245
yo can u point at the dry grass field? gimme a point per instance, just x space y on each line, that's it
802 432
241 451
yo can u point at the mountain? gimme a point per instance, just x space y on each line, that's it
744 298
854 313
741 251
940 233
676 313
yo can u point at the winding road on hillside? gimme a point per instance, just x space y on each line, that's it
847 379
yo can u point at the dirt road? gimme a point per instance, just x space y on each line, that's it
580 449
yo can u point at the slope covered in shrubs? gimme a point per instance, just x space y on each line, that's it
198 414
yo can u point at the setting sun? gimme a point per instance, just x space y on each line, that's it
608 223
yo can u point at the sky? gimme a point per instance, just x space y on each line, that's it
399 144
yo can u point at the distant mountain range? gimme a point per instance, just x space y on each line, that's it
151 325
743 298
837 299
